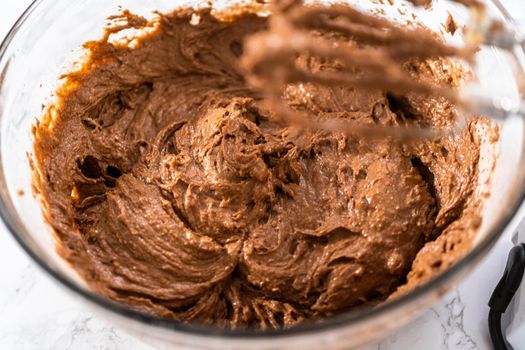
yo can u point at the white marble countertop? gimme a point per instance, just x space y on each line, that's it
37 314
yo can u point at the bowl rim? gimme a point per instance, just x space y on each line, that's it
343 319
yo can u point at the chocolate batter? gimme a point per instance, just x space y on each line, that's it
172 189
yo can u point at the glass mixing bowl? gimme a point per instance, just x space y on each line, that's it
48 37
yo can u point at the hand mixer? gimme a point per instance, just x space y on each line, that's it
270 62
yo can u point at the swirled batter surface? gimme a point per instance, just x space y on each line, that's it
171 189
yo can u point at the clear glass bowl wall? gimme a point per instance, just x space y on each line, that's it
44 43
